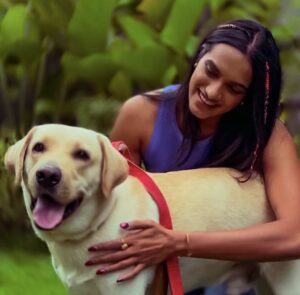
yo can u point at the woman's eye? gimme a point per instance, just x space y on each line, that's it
209 71
39 147
236 90
81 155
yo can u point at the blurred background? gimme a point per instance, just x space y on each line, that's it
76 61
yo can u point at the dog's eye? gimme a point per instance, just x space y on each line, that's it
38 147
81 155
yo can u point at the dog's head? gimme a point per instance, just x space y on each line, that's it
67 175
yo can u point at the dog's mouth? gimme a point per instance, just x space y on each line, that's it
47 213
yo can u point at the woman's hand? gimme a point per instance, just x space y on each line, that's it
148 243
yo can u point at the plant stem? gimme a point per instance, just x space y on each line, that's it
41 71
4 94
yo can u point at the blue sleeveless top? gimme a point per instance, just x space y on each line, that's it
162 154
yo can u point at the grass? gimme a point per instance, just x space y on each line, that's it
25 269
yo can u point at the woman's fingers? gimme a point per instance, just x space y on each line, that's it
109 258
127 276
116 266
110 245
117 244
123 242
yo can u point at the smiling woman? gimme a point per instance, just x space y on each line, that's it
215 89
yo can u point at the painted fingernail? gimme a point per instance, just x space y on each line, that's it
88 263
101 271
124 225
120 280
93 248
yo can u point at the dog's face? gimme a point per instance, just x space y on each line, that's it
67 175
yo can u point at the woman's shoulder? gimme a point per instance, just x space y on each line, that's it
139 106
281 145
146 105
134 124
280 134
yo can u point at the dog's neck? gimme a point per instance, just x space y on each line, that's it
106 209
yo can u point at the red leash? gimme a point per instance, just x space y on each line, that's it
164 214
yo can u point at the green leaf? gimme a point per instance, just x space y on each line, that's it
53 17
192 45
215 5
155 10
137 31
257 10
120 86
170 75
282 33
89 26
97 68
126 2
181 23
20 36
12 27
146 64
231 13
97 113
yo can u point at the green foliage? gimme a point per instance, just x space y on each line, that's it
75 61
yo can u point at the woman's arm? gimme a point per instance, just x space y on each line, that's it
276 240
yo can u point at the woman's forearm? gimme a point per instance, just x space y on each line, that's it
267 242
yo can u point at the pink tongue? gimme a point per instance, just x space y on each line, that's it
48 214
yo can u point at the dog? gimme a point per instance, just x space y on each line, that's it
77 191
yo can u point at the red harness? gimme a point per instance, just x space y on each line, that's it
164 214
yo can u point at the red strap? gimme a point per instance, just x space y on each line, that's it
164 214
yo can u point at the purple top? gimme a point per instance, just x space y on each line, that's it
162 154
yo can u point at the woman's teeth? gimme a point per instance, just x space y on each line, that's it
204 100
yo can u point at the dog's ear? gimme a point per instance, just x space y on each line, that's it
114 167
15 156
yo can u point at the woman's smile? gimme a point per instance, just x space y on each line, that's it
203 100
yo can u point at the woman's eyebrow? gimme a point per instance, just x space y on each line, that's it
215 69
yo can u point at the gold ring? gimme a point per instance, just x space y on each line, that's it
124 245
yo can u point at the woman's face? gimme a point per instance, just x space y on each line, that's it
219 83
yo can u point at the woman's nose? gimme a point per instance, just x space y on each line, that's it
214 91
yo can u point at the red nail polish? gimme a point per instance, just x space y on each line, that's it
93 248
88 263
120 280
101 271
124 225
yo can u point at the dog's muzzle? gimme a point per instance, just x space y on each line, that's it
48 211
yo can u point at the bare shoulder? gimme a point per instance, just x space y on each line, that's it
280 135
281 147
135 122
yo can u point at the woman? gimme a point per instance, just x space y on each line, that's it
223 114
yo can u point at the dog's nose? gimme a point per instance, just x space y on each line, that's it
48 176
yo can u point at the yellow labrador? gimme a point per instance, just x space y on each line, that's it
77 190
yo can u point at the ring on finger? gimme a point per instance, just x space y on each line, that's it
124 245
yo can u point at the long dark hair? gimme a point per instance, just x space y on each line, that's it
243 132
